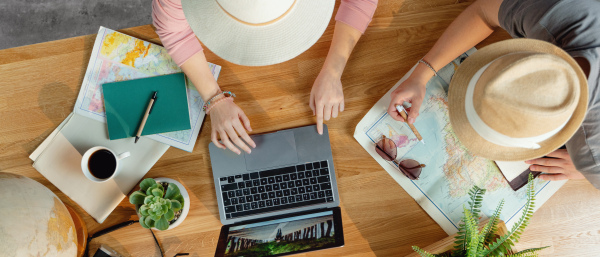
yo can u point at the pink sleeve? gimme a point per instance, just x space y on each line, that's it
174 31
356 13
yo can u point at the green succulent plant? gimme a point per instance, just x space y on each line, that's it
156 207
472 242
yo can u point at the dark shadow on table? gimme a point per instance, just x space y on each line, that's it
55 102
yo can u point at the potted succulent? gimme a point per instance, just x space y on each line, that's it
161 203
470 241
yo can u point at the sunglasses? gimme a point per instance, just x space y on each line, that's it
386 148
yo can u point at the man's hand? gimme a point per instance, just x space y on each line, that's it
326 98
560 167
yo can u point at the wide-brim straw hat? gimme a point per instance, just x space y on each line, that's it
528 97
258 32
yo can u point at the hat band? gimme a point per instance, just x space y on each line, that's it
258 23
493 136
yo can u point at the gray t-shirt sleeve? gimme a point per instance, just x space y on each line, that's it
574 26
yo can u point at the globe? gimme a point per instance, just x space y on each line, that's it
34 221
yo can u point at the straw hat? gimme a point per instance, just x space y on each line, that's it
258 32
516 100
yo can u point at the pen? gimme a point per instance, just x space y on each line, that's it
402 112
146 114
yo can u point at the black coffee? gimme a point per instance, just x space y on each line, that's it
102 164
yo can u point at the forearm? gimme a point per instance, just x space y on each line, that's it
344 39
471 27
197 70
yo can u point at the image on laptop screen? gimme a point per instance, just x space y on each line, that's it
300 233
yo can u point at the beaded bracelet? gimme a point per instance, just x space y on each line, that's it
428 65
216 102
210 101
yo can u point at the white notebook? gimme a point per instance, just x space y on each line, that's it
58 158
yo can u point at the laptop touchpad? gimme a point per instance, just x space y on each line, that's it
272 150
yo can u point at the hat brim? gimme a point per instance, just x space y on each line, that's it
258 45
476 144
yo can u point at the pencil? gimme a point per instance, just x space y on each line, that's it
145 118
402 112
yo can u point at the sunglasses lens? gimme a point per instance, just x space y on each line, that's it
386 148
411 168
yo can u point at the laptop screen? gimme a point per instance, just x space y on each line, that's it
284 235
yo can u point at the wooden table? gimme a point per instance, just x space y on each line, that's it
39 84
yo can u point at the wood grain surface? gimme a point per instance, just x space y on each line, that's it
39 85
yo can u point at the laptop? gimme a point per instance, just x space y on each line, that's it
289 174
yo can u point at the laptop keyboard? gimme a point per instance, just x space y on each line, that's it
276 189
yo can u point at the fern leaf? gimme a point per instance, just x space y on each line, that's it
475 203
529 252
493 224
422 252
472 239
476 200
481 239
513 236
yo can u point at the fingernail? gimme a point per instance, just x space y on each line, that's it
528 161
249 151
411 120
532 168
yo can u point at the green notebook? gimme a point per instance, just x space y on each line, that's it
125 103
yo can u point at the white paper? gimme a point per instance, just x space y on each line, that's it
450 172
511 170
119 57
60 163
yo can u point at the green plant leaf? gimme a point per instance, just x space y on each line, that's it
493 224
475 202
172 191
143 210
179 198
143 223
169 215
472 238
155 217
148 199
529 252
137 197
157 192
149 222
162 224
500 245
175 205
146 183
422 252
149 190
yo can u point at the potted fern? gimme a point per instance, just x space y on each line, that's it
161 203
470 241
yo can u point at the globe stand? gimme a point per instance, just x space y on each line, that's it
80 229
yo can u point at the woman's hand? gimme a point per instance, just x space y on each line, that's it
411 90
559 167
326 98
226 120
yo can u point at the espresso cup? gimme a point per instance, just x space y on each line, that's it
100 164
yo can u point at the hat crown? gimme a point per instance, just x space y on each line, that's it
256 11
526 94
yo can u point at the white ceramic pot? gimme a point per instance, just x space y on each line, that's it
186 204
